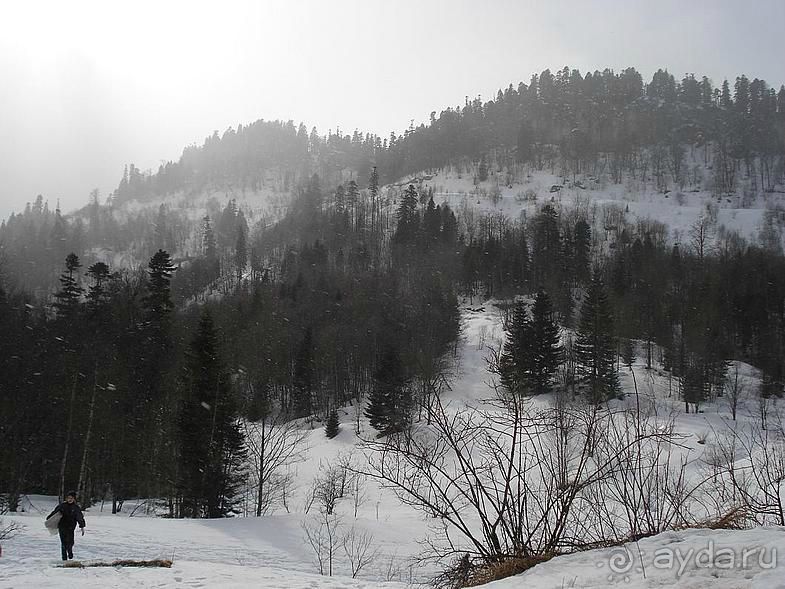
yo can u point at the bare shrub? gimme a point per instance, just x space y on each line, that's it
322 533
359 549
331 483
8 530
750 464
509 479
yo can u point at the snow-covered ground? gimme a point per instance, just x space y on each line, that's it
636 200
243 552
272 551
689 559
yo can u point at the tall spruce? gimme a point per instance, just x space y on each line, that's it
70 293
595 349
533 350
546 349
332 427
408 219
211 449
390 401
516 360
159 295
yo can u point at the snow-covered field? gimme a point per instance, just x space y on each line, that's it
689 559
243 552
272 551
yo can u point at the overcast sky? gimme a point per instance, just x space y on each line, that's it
86 87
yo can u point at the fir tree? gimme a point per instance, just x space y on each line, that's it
211 449
408 219
516 360
546 349
595 352
390 400
332 427
431 224
67 298
581 251
159 296
546 247
97 295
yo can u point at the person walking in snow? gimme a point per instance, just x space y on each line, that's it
70 516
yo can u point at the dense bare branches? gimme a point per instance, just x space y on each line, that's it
515 478
749 466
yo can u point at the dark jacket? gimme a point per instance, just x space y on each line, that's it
71 515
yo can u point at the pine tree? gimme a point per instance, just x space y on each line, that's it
159 296
353 203
581 251
378 409
694 385
97 295
332 427
449 227
516 360
211 448
431 224
546 349
408 219
390 401
725 98
595 352
67 298
546 247
226 228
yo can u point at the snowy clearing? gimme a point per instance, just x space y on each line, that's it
272 551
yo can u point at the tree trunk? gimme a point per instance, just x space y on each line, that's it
67 445
82 468
261 469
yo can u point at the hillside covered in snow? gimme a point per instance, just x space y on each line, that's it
547 329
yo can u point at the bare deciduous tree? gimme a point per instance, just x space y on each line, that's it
322 532
735 389
359 549
274 444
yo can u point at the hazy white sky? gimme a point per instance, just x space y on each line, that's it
86 87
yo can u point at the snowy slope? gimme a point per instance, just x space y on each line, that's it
272 551
679 209
689 559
